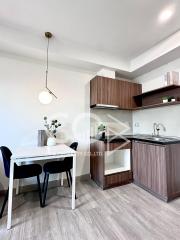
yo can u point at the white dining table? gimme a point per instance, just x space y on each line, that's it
34 154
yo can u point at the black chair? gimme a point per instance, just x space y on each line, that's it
58 167
24 171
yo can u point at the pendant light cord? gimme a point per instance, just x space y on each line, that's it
47 68
47 62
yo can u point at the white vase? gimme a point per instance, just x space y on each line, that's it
51 141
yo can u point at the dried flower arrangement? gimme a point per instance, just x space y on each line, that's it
51 127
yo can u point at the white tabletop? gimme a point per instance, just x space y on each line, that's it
34 152
25 154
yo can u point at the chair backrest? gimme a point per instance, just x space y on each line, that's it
74 145
6 155
69 160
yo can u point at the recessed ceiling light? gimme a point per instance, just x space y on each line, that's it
166 14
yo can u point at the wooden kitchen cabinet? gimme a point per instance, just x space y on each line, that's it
156 167
108 91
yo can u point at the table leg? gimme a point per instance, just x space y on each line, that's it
74 182
10 195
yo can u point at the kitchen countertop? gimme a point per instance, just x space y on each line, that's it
163 140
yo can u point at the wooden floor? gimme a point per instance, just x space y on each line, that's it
126 213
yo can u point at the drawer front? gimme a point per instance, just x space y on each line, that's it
117 179
118 145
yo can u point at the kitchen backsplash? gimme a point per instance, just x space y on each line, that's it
117 122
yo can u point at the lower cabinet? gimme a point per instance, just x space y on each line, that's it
156 167
149 167
110 164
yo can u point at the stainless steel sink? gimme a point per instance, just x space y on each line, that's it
161 139
157 138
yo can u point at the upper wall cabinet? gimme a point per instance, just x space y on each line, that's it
113 93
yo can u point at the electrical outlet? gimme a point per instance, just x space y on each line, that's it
137 124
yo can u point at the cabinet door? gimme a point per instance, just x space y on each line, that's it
113 92
149 167
126 97
139 163
127 91
104 91
107 91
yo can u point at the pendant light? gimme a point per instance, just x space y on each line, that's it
46 96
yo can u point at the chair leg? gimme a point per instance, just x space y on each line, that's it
45 175
68 179
45 189
39 190
70 176
4 203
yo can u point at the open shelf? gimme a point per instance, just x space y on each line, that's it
158 90
117 161
115 168
153 98
158 105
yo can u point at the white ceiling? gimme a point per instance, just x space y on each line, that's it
107 33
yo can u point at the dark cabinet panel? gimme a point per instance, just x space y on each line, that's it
110 91
135 90
97 162
93 91
173 173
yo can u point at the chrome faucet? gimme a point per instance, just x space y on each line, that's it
156 128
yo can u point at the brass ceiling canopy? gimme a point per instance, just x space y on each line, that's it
48 34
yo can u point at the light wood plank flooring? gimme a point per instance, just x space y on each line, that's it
124 213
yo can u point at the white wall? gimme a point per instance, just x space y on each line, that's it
21 114
169 116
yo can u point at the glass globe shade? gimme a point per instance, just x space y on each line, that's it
45 97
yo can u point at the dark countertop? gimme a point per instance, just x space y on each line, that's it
163 140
